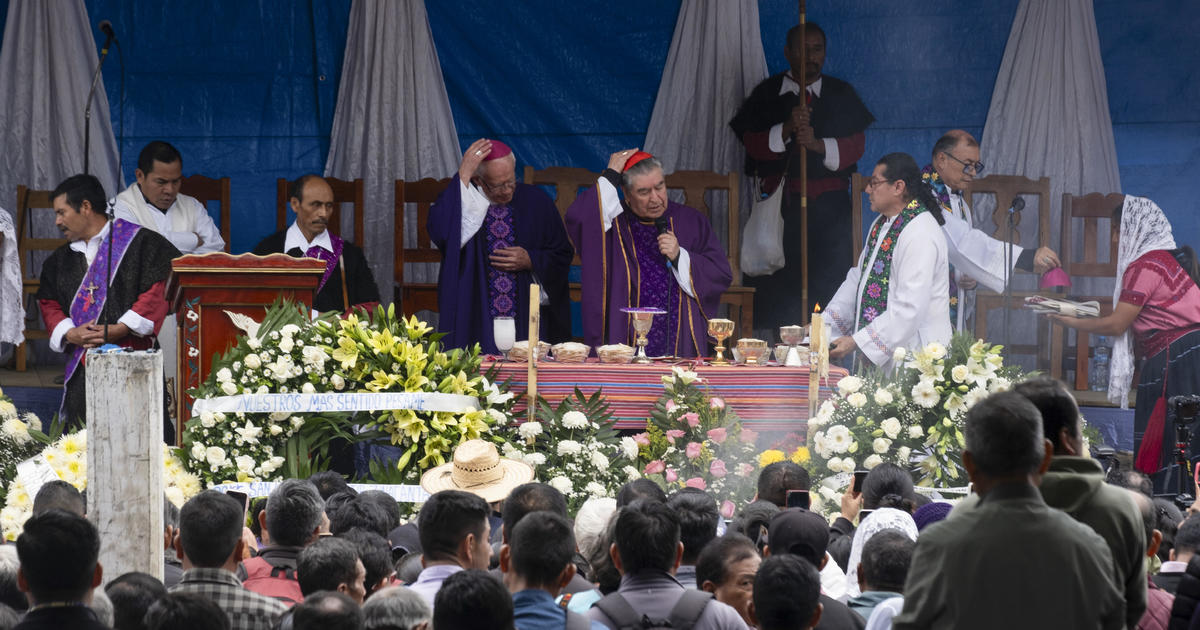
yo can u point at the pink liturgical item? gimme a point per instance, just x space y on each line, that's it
499 150
1055 278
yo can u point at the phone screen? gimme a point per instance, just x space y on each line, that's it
798 498
243 499
859 477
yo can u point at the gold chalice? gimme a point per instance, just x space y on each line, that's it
642 320
752 349
720 329
792 336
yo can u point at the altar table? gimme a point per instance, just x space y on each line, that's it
766 398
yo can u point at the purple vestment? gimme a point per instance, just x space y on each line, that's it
621 269
464 296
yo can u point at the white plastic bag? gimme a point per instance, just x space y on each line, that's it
762 240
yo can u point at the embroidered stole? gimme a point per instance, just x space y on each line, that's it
873 299
502 285
93 291
331 258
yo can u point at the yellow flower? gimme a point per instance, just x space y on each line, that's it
770 456
453 384
73 443
346 352
383 381
415 382
473 424
416 328
436 448
408 424
382 342
800 455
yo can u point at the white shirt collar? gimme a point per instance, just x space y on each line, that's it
90 247
790 85
295 238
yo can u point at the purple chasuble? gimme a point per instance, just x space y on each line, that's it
502 285
330 258
656 289
93 291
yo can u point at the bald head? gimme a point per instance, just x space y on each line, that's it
951 154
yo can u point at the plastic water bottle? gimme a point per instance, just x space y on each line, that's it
1098 371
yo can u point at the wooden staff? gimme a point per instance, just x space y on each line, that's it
535 311
803 175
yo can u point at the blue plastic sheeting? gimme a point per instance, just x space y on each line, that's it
248 89
243 89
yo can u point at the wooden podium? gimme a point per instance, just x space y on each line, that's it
202 287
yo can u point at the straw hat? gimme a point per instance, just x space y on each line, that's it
478 468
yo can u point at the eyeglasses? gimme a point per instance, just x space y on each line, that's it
871 183
501 187
968 167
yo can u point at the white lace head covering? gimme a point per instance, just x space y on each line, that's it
877 521
12 311
1144 228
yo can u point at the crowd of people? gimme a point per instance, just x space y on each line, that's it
1047 539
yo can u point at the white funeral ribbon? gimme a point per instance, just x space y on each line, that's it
332 402
401 493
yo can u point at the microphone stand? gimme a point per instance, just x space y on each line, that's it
1017 205
87 111
110 213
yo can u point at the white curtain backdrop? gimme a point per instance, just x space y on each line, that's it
392 120
46 66
1049 117
715 60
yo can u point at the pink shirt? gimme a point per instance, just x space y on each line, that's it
1170 300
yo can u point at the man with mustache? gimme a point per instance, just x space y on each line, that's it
348 281
154 202
80 304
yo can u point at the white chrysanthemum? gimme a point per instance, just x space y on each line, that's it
595 489
215 455
534 459
883 397
632 473
999 384
530 429
824 414
903 453
857 400
17 430
574 420
891 427
569 447
881 445
925 395
975 395
599 460
935 350
562 484
629 447
960 373
872 461
229 388
174 495
821 444
849 385
915 431
839 438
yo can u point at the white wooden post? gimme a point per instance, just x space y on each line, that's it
125 459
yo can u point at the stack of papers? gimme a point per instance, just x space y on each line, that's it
1059 306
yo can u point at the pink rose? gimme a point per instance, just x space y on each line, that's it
674 433
693 450
727 509
654 467
717 435
745 470
693 419
696 482
716 403
717 469
748 436
643 439
671 406
672 476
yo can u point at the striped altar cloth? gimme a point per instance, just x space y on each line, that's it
766 398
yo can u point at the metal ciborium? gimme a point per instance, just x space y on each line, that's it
720 329
792 336
753 350
642 319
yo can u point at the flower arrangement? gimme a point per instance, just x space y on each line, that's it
694 440
17 443
394 354
67 457
912 417
574 448
286 352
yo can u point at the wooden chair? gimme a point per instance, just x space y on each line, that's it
27 202
415 296
567 181
1006 188
344 191
1086 264
207 189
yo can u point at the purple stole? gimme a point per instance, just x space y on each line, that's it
502 285
656 288
93 291
331 258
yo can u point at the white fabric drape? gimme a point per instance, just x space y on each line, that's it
715 60
1049 117
12 316
392 120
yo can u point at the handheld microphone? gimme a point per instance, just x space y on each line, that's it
663 225
1018 205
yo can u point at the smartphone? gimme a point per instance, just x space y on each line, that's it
243 499
859 477
798 498
863 514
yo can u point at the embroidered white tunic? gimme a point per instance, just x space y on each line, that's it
918 304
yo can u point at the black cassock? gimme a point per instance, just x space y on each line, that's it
360 282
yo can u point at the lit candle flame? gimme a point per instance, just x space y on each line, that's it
818 308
